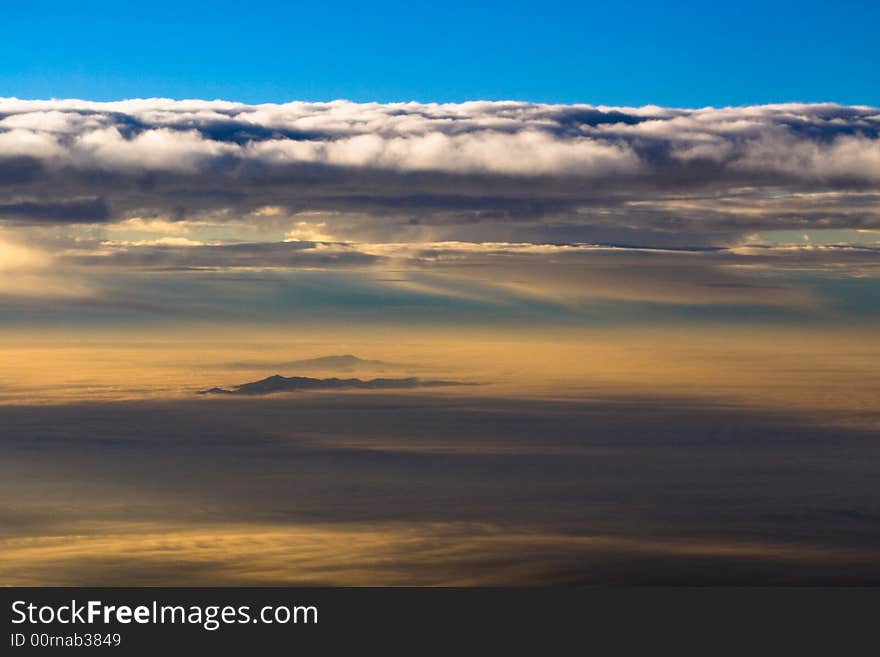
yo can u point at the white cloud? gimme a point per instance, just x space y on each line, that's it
505 138
159 241
19 142
154 225
308 232
160 148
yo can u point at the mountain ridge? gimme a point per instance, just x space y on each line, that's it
279 383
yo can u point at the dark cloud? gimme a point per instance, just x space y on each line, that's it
77 211
169 257
19 170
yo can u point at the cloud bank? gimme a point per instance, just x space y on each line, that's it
72 161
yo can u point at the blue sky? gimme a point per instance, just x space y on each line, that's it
681 54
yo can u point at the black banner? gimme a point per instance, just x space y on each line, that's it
132 621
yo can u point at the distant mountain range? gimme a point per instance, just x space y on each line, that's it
344 362
278 383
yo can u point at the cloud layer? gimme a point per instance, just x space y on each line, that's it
665 169
433 490
496 202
